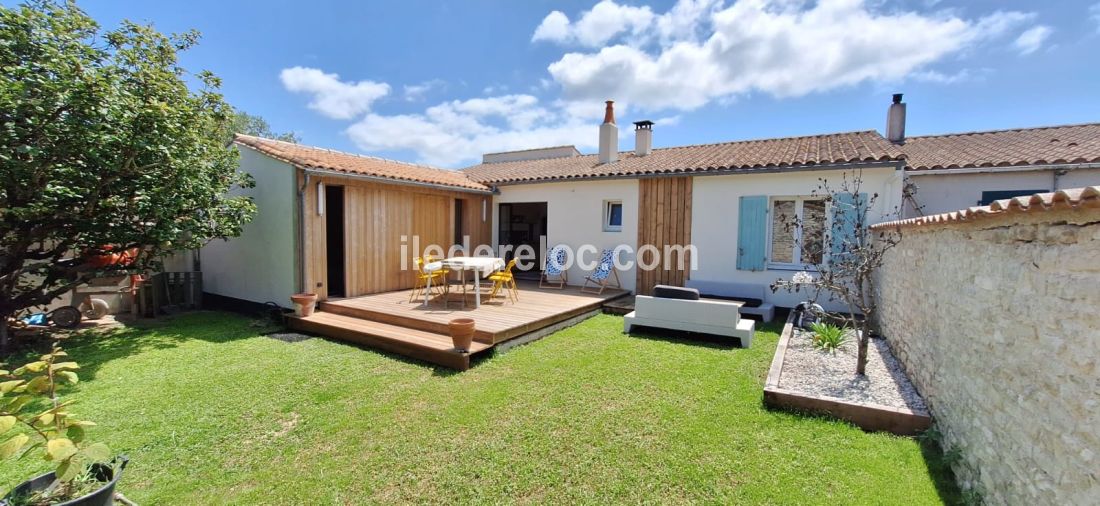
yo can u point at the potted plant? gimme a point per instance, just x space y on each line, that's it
82 474
304 303
462 333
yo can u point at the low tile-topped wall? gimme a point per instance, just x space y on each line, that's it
997 321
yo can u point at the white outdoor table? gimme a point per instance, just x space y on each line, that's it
482 266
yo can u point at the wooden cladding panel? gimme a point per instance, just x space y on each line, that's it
664 219
316 263
376 216
480 232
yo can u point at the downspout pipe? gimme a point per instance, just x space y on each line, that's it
302 234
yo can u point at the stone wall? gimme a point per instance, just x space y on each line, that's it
997 321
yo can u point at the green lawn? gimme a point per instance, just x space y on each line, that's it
210 411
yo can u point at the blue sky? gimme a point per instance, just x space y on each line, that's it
443 82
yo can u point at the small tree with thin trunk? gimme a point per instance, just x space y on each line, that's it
104 147
853 253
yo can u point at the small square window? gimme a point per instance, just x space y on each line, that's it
613 215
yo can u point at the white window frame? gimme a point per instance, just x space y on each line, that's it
607 226
797 265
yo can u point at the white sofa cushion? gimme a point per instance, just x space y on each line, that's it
719 313
766 310
718 317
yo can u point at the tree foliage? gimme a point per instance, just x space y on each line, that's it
847 272
103 145
250 124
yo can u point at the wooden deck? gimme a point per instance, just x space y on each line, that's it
390 322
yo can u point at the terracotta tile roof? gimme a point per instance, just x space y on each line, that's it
867 146
1005 148
1076 198
318 158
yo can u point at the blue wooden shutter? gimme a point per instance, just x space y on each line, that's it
752 233
848 209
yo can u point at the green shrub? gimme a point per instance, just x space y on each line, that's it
828 337
54 433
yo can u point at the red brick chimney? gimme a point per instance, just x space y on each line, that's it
609 136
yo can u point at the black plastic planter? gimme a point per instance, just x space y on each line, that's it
105 496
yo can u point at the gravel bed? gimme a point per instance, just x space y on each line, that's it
821 373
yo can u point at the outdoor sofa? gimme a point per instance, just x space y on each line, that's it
751 296
679 308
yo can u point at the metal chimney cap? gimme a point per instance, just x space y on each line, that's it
644 124
897 98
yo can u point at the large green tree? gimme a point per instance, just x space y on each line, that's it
106 142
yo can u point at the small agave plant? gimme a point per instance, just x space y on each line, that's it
26 427
828 337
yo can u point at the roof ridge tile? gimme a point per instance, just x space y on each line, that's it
1002 130
1071 198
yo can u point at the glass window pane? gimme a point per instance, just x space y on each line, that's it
615 215
783 225
813 231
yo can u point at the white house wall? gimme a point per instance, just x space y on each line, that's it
1078 178
715 209
945 192
258 266
575 216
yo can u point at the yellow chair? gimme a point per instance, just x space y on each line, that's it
429 259
444 274
420 282
504 279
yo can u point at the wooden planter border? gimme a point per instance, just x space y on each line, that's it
868 416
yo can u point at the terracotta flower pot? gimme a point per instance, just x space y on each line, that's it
304 303
462 333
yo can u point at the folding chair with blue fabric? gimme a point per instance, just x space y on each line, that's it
601 277
555 267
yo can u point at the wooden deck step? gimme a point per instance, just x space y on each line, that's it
398 319
427 346
498 320
620 306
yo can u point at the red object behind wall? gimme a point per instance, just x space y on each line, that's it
120 259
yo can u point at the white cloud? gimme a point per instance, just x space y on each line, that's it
452 132
668 121
1000 22
416 92
459 132
697 52
937 77
1032 39
1094 13
331 96
605 21
554 27
686 20
781 48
